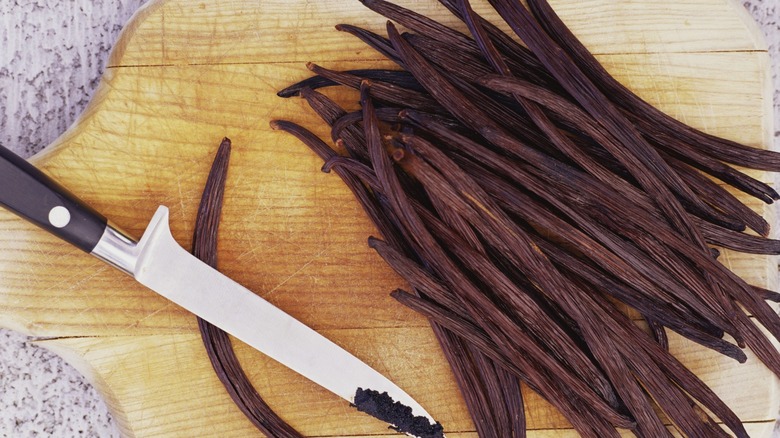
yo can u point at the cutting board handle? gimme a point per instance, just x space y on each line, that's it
33 195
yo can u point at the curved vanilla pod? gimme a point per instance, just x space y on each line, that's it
722 171
217 342
353 118
766 294
375 41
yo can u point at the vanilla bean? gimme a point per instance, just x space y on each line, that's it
641 159
391 93
400 78
630 391
528 209
418 22
573 114
722 171
418 277
217 342
330 112
658 123
496 415
375 41
659 333
766 294
572 185
720 198
514 402
354 118
508 335
478 338
485 270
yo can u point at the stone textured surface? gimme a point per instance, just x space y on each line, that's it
52 53
767 15
51 58
42 396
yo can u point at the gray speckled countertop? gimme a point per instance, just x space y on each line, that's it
52 53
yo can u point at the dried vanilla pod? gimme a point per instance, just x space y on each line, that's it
217 342
528 200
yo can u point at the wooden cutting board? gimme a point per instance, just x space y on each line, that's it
186 73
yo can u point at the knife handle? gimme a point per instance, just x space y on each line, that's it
33 195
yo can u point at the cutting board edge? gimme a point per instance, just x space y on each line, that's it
129 29
103 89
754 30
72 356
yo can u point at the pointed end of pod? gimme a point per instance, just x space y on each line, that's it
392 31
224 146
383 407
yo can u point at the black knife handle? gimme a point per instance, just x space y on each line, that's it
34 196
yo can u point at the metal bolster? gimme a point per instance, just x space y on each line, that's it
117 249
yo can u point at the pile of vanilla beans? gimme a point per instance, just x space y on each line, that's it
529 199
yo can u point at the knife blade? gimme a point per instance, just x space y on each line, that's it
158 262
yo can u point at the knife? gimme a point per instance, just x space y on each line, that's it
159 263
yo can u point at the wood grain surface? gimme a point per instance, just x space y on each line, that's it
184 75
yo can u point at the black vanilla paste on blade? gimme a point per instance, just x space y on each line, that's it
383 407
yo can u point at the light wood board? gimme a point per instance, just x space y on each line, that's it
185 74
